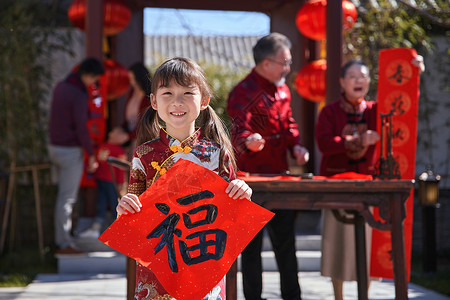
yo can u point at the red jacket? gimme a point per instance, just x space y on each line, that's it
104 172
256 105
336 120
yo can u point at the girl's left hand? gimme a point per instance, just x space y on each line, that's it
238 189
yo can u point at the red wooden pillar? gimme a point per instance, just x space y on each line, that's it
282 20
334 50
94 28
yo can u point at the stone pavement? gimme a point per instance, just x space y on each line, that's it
112 286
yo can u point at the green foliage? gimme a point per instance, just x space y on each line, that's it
389 27
438 281
222 80
18 268
25 48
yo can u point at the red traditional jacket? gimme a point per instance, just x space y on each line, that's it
150 161
256 105
336 120
103 172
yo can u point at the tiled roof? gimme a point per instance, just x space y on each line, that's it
232 51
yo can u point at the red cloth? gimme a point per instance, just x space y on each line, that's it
336 120
258 106
103 172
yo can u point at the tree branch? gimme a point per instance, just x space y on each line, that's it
426 14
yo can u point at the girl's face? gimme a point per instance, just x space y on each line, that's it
179 106
356 83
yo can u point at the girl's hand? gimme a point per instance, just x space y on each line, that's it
129 204
238 189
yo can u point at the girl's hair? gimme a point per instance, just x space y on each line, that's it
142 77
350 63
186 72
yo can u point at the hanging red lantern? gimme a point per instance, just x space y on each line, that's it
310 81
116 15
117 80
311 18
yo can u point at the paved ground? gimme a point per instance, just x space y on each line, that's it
112 286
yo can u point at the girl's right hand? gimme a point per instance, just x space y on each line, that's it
129 204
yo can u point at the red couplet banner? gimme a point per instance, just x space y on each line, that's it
189 231
398 93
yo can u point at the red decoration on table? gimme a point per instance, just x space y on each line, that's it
311 18
310 81
117 80
116 15
168 235
398 92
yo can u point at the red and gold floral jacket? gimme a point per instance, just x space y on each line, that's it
150 161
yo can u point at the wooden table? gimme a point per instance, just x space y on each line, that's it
353 195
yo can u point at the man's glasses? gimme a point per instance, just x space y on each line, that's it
283 64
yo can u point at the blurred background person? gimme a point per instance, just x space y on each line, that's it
107 194
263 134
137 102
346 136
69 135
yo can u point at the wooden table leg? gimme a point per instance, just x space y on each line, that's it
231 282
37 203
9 197
131 278
361 261
398 249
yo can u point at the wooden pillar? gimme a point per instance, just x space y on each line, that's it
127 47
334 49
282 20
94 28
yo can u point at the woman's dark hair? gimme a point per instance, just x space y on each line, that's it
142 77
91 66
186 72
350 63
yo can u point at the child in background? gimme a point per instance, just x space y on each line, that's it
180 98
107 193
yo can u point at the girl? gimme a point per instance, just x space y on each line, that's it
180 98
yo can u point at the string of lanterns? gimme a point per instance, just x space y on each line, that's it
311 22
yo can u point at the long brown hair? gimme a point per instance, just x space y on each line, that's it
186 72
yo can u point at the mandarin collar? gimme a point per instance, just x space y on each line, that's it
263 81
349 107
189 141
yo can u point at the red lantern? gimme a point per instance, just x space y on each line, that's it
311 18
310 81
117 80
116 15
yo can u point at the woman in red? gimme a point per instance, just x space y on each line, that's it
346 135
137 100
